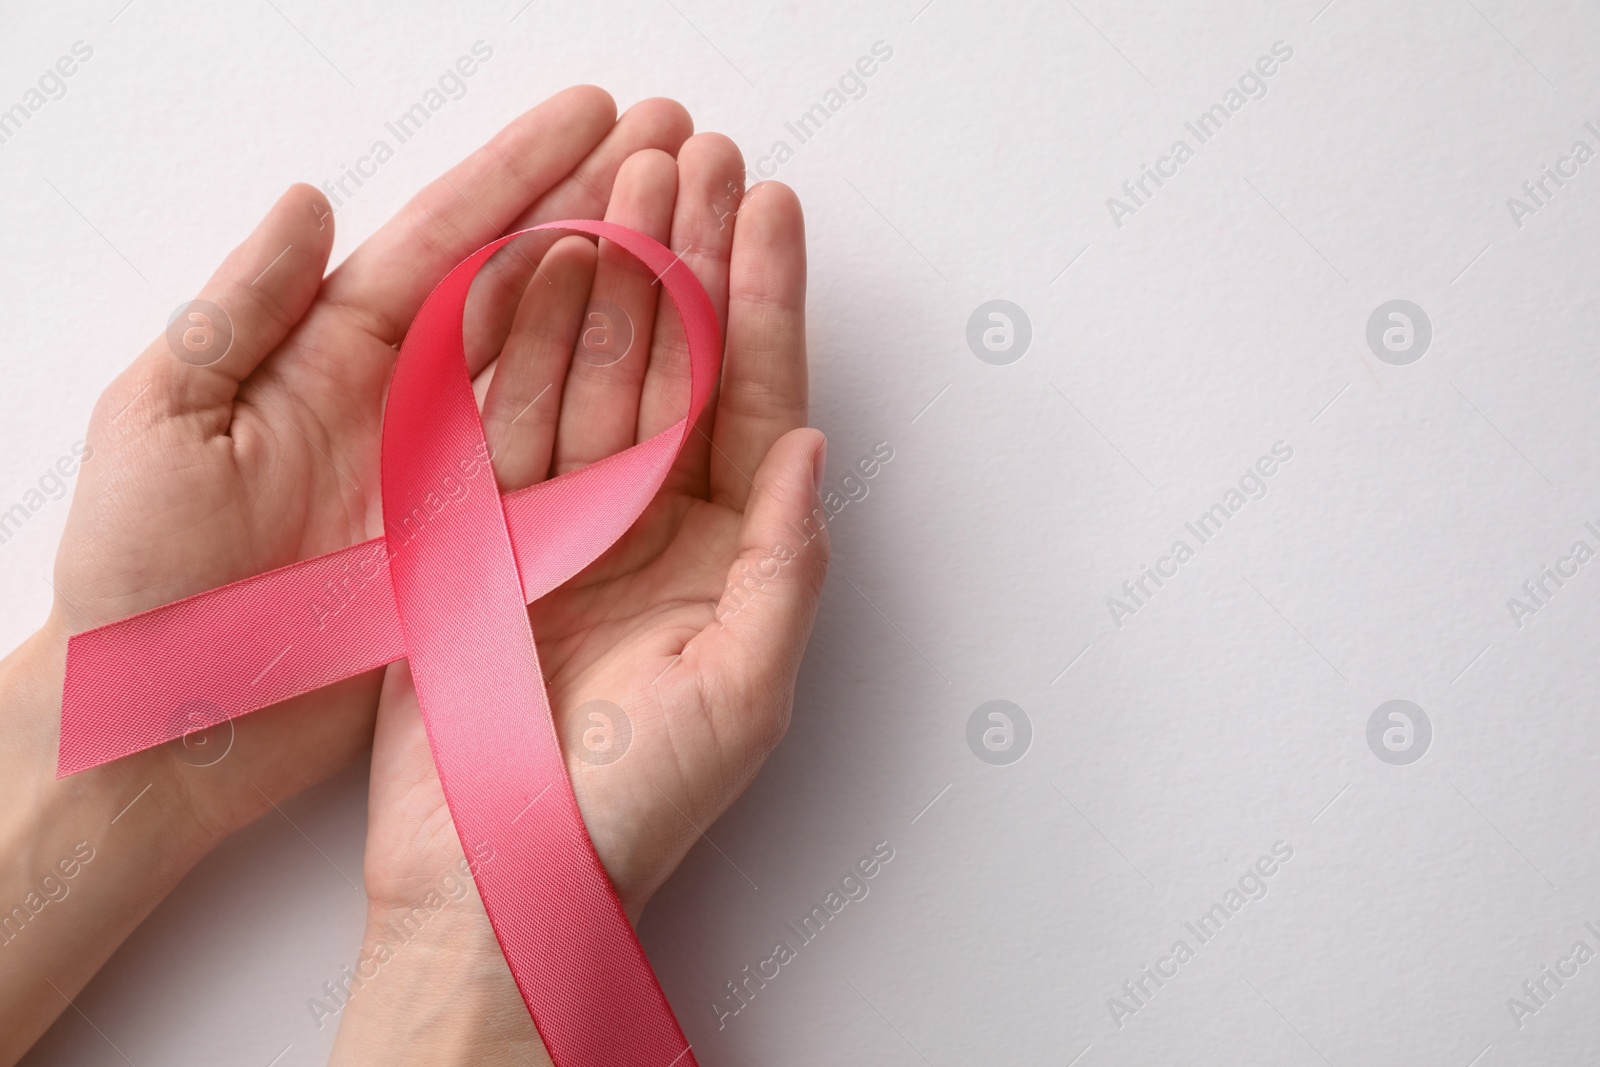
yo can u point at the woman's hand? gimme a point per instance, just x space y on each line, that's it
209 463
204 474
671 661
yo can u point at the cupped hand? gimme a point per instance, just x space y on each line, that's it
216 460
671 661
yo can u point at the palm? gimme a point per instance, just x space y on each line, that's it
682 733
705 691
205 474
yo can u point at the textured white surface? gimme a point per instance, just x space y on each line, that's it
1227 314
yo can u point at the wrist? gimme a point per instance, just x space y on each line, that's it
88 857
430 986
144 792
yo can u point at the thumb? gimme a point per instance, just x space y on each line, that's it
764 616
246 309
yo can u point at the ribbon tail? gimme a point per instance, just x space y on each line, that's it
152 677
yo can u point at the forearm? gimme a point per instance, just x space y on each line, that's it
85 858
431 987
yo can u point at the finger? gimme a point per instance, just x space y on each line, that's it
710 184
387 278
247 308
543 152
764 616
521 409
763 393
655 124
600 407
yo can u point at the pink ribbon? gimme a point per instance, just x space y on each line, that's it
445 587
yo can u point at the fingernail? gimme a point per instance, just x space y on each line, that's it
819 464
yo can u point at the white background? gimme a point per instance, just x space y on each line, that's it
1228 314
